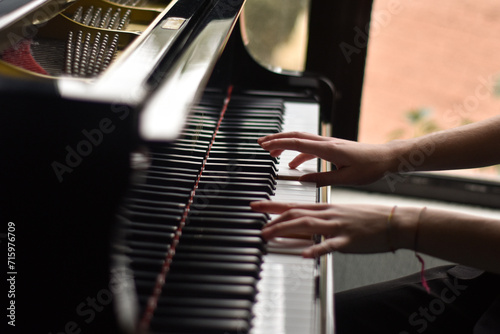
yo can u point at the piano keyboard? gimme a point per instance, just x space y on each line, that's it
194 246
286 299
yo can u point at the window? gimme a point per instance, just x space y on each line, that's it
431 66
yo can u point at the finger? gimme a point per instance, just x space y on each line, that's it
301 225
342 176
301 145
275 153
280 207
270 206
300 159
325 247
319 211
295 134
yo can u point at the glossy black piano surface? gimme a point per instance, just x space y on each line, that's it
85 183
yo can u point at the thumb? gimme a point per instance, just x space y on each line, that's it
336 177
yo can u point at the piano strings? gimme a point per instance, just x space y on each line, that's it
92 41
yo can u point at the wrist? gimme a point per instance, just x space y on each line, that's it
396 151
405 222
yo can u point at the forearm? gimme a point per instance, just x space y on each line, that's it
460 238
473 145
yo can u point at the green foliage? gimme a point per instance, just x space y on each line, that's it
496 88
420 121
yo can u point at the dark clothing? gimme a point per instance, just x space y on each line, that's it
462 300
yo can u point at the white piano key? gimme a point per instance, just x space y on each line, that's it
295 191
303 117
286 302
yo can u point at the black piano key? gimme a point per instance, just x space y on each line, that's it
242 168
252 116
201 290
258 101
249 147
180 151
177 188
237 132
237 154
237 186
160 196
208 193
155 209
247 216
190 144
216 303
146 263
220 279
253 124
254 113
220 210
204 120
177 157
145 276
209 200
224 222
218 240
198 312
155 225
173 173
256 131
179 256
150 236
147 253
219 249
195 137
236 138
174 163
156 204
144 245
206 230
144 287
234 177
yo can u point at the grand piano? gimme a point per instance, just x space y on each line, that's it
128 141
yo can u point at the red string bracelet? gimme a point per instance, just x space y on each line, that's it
420 259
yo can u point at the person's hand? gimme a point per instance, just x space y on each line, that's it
356 163
347 228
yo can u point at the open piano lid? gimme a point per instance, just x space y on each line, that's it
167 64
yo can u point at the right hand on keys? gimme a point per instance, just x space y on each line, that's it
356 163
